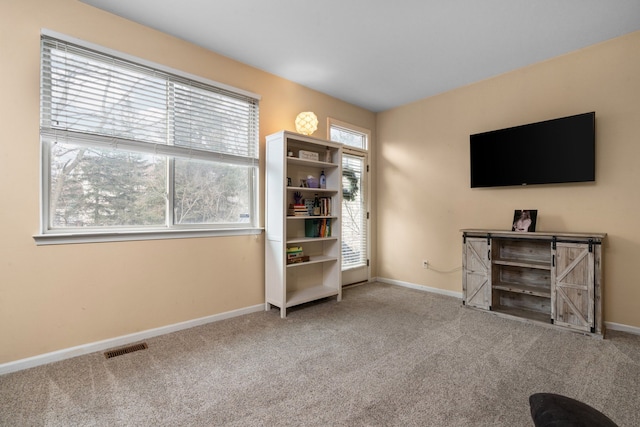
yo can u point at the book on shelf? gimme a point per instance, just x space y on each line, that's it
304 258
295 255
325 206
317 227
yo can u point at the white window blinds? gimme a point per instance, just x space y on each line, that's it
354 212
88 92
129 146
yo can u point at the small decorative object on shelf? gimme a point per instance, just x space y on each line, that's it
297 197
308 155
316 205
323 180
312 182
524 220
308 203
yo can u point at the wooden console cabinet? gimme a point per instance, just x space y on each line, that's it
545 277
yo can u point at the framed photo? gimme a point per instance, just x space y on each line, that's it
303 183
524 220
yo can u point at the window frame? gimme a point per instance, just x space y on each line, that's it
364 153
48 235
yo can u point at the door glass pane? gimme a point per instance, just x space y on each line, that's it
354 226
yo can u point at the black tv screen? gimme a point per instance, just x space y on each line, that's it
554 151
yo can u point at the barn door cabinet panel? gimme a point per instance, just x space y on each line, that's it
477 271
554 278
574 286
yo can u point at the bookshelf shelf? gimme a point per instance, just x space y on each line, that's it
311 293
314 238
311 163
313 190
310 217
518 288
313 260
310 239
525 264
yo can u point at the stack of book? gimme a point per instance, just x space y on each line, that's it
297 210
296 255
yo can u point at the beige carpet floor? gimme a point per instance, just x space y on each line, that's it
383 356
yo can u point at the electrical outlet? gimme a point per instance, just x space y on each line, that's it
425 263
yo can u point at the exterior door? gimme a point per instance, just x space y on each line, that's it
476 284
572 286
355 222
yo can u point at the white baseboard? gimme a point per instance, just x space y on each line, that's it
80 350
609 325
418 287
623 328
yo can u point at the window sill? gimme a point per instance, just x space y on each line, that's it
126 236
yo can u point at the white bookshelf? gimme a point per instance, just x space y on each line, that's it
287 285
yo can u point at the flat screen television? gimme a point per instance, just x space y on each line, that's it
549 152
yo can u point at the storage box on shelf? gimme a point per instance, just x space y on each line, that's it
310 230
546 277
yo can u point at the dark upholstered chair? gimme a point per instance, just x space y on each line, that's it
554 410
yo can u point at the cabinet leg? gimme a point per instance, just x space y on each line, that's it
283 312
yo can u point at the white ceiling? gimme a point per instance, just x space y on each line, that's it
379 54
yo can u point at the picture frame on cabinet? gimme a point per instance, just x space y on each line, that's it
524 220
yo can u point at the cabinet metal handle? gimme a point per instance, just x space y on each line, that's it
553 260
489 254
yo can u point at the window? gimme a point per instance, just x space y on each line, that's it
131 148
349 135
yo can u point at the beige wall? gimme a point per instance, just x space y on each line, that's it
57 297
424 197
